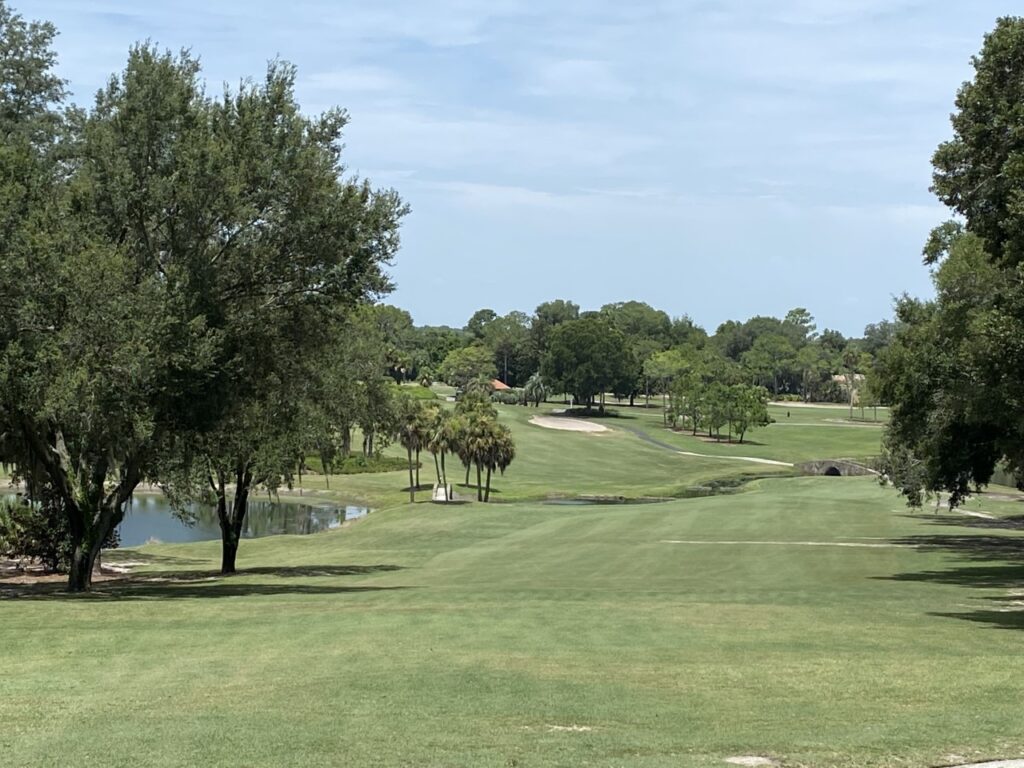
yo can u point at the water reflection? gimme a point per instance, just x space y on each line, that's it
150 517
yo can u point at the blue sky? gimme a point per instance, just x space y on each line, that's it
717 158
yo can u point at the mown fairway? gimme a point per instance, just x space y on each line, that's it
535 635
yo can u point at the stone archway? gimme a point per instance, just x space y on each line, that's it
833 471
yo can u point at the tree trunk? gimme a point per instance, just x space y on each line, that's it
229 549
88 532
467 473
479 487
232 521
437 468
444 478
412 486
325 466
346 442
83 561
487 493
417 468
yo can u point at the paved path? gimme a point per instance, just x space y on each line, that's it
665 446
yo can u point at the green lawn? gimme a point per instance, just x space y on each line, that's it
620 462
805 434
536 635
810 620
552 463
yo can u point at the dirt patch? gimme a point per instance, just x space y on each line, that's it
993 764
749 760
567 424
569 728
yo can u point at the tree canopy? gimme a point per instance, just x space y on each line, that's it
952 373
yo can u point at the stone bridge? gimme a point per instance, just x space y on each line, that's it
835 468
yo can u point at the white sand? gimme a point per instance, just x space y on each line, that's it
569 425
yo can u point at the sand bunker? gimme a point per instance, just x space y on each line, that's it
568 424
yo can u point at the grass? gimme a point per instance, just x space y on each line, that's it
524 634
805 434
462 636
620 462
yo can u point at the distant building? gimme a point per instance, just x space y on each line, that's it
498 385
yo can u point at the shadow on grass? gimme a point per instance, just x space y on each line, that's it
999 565
117 556
594 414
174 585
1011 523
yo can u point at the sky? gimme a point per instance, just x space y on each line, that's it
714 158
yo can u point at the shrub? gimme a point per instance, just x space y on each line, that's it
508 396
362 465
39 531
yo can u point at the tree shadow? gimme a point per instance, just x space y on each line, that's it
595 414
1011 523
117 556
191 584
1000 565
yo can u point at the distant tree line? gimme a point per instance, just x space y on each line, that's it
630 349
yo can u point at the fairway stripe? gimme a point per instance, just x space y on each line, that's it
856 544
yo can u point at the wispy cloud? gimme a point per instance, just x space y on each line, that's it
714 137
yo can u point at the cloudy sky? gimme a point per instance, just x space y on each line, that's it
718 158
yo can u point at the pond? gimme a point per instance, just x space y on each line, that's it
149 516
589 501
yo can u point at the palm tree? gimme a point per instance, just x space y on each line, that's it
443 440
411 436
535 391
502 452
480 388
470 407
424 424
475 445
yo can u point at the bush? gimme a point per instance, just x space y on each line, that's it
508 396
40 532
362 465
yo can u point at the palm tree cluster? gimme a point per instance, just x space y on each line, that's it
471 432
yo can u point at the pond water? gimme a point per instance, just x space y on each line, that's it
590 501
150 517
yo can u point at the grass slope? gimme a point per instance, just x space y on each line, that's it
531 635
